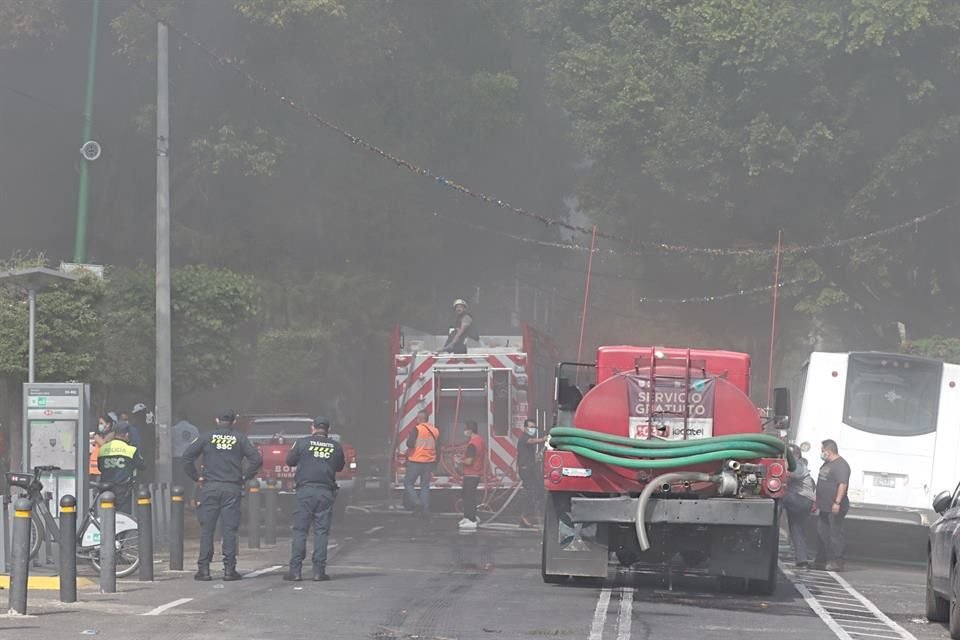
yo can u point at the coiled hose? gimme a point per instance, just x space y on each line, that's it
631 453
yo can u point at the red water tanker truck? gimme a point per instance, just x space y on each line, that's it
659 456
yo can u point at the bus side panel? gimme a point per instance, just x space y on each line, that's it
946 458
821 411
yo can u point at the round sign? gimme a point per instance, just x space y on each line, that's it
90 150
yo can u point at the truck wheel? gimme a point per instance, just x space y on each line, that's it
938 609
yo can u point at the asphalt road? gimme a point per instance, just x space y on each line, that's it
395 577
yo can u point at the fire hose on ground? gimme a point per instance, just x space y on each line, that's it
631 453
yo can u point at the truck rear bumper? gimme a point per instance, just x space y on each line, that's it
750 512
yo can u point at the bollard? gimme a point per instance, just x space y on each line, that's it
176 529
145 526
20 566
253 514
108 543
270 507
68 549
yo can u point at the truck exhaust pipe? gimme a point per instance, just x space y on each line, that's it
663 482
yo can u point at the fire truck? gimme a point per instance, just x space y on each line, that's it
660 457
498 383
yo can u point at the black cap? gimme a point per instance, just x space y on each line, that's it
121 428
226 416
320 421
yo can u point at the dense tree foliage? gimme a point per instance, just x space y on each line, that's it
700 123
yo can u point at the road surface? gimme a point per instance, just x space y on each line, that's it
398 578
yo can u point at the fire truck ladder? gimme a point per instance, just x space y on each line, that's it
650 362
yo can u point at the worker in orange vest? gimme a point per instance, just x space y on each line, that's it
473 459
421 460
104 433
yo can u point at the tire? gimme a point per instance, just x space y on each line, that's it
36 527
128 554
954 615
937 608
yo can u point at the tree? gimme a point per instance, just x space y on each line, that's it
716 122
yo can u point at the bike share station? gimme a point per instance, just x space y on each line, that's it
55 434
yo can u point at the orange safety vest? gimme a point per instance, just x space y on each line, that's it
425 449
94 454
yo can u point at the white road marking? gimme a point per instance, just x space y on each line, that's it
846 611
372 531
169 605
625 619
896 628
600 614
260 572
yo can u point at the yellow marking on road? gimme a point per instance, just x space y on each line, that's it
44 583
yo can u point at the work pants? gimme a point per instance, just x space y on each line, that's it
424 472
469 496
314 506
219 500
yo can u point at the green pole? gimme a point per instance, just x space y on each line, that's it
80 247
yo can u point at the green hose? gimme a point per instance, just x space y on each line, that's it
666 454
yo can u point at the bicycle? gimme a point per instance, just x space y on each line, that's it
44 527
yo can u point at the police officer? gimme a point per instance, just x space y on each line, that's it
318 458
119 463
223 451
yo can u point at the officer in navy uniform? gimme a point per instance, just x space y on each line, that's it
223 451
318 458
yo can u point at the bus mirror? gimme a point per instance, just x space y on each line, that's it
942 502
781 407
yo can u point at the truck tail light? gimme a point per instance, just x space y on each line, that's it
775 470
555 476
774 485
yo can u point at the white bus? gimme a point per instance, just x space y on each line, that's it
896 421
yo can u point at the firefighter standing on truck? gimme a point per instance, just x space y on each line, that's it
120 463
223 451
318 458
461 328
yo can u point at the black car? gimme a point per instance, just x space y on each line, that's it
943 563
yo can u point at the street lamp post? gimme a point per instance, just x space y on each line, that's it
33 280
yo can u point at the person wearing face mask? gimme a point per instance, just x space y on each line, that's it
104 434
473 459
529 472
833 504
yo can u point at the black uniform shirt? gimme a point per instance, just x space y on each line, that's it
223 451
317 459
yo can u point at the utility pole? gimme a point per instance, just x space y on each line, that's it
80 241
164 395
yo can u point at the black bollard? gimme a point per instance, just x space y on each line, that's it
68 549
176 529
253 514
20 562
145 525
270 507
108 543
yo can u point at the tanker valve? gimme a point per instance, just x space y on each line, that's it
733 465
727 484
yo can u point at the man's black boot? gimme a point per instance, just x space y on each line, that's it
230 574
203 573
292 575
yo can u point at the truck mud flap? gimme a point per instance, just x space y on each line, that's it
571 549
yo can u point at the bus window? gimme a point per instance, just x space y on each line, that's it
891 395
